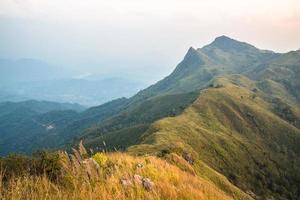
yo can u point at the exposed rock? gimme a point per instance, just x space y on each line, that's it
145 182
126 181
148 184
188 157
138 179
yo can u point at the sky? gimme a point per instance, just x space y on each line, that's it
139 39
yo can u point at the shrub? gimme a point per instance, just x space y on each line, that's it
101 159
39 164
49 164
164 152
15 165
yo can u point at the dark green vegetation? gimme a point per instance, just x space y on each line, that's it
25 126
233 107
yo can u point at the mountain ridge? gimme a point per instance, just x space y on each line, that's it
281 108
229 105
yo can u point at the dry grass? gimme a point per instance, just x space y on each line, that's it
84 179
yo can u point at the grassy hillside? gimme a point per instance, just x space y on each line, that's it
283 69
109 176
246 129
235 131
198 68
125 128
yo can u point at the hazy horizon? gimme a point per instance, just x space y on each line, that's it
138 39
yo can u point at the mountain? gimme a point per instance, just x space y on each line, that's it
241 117
82 91
26 70
25 126
247 136
27 79
228 108
38 106
193 73
223 56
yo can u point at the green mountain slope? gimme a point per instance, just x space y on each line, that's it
233 130
26 126
125 128
245 126
283 69
223 56
199 67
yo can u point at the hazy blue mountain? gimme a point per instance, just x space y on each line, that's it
27 79
15 71
82 91
38 106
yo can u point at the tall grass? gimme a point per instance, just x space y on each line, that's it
99 178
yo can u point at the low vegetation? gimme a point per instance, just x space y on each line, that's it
102 176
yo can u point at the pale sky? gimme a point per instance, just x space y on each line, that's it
142 39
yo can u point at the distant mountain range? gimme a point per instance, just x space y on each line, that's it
231 106
27 70
82 91
27 79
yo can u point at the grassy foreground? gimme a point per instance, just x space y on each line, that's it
109 176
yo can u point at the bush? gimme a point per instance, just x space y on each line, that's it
49 164
15 165
41 163
164 152
101 159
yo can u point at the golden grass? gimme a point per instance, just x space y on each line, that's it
83 179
